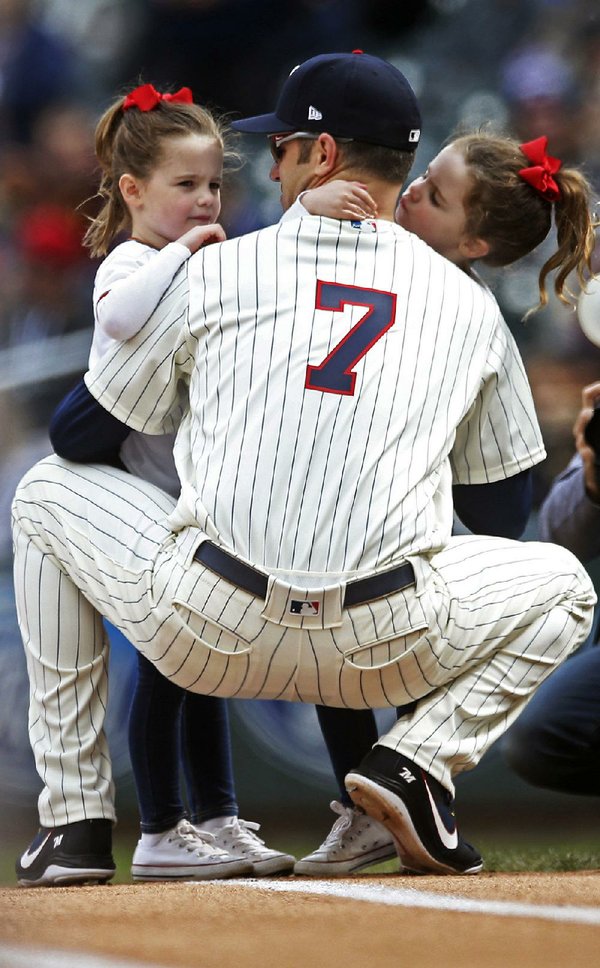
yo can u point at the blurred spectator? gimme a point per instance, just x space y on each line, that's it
62 152
114 25
544 96
37 68
49 237
45 273
586 44
53 301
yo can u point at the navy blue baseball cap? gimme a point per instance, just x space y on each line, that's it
355 96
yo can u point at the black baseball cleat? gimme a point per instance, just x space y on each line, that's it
416 809
77 853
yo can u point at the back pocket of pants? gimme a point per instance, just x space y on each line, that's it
385 630
210 633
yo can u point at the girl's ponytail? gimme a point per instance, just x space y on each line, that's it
575 235
112 216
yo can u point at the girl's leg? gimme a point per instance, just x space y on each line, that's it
211 789
206 747
170 846
349 734
355 841
154 728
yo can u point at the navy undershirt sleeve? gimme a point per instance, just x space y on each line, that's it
501 508
82 430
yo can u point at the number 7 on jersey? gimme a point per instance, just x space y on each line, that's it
335 374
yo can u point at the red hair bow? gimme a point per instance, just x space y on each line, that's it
147 97
542 168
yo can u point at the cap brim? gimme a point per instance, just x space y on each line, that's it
263 124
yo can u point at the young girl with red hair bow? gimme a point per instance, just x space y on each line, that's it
486 198
483 198
504 197
162 159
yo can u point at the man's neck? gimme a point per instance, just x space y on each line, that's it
384 194
386 197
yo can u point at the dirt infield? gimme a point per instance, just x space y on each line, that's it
480 922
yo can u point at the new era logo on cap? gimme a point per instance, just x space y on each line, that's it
314 114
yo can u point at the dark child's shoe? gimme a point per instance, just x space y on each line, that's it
416 809
76 853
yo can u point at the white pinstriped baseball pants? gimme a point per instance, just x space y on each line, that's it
488 620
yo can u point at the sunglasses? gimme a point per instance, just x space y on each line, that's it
277 140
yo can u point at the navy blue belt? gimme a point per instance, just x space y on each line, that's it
357 592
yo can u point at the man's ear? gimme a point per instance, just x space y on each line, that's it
473 249
326 157
131 190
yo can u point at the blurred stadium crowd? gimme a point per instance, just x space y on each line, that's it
526 68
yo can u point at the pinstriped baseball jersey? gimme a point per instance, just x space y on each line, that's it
327 403
329 406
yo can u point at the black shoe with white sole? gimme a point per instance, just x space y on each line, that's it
416 809
76 853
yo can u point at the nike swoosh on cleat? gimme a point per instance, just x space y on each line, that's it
28 857
449 840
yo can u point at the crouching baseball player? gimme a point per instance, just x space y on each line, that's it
335 378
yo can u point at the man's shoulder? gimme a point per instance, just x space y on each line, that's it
455 279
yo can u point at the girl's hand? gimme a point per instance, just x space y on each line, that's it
340 199
588 455
202 235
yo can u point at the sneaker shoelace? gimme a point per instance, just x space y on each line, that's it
341 826
243 833
194 841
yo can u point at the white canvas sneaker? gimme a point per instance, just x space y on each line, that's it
185 852
239 839
355 841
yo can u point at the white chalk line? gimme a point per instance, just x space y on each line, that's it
12 956
21 956
411 897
